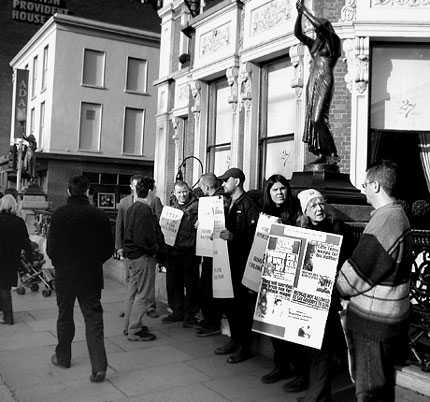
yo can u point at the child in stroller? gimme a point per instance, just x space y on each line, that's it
32 273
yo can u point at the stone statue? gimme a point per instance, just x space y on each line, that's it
325 50
29 163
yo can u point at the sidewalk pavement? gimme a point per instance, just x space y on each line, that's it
177 367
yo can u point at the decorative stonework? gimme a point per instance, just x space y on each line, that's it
245 83
213 41
296 56
183 95
357 59
175 125
349 11
400 3
195 87
232 74
269 16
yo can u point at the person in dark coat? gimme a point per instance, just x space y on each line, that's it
13 239
79 242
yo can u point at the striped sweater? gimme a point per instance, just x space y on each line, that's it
376 277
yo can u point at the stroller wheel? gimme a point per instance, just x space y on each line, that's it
20 290
34 287
46 293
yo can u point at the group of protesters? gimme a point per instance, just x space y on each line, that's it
372 285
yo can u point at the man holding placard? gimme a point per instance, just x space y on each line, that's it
182 264
241 220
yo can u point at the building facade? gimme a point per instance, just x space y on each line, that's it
232 79
91 104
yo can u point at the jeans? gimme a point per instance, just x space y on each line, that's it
92 311
374 363
140 292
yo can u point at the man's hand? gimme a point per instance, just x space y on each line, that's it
196 225
226 235
120 253
299 6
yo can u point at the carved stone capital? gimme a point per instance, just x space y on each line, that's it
175 124
296 56
232 74
196 87
400 3
349 11
357 59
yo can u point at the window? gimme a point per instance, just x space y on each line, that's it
44 67
41 123
277 120
134 121
32 120
94 66
220 127
136 75
90 127
34 77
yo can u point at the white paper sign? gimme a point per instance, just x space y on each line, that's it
170 220
206 216
252 275
298 274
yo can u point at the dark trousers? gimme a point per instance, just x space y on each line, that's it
211 314
282 351
6 305
183 271
89 303
374 363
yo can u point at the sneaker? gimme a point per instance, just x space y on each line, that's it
142 336
202 332
171 318
56 362
99 376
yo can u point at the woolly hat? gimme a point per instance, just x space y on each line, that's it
307 195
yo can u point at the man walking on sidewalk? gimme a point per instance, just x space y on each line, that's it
143 242
79 242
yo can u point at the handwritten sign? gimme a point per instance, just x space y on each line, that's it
170 221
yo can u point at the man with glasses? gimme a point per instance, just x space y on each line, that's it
375 281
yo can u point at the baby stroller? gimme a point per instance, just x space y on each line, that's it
32 274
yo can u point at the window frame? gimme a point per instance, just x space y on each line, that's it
99 129
44 67
42 122
134 91
32 120
143 110
103 82
34 76
263 139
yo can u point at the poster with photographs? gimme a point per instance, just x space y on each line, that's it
297 279
106 200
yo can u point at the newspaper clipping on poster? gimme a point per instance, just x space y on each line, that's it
206 218
221 274
170 221
298 275
252 275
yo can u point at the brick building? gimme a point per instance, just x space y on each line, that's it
231 88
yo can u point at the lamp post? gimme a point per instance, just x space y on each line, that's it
180 175
21 118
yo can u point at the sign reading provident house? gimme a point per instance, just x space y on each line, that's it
36 11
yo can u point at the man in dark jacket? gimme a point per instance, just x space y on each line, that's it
143 243
182 264
79 242
241 221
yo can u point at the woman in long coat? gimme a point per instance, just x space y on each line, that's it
325 50
13 239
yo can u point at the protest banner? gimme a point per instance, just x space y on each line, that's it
298 274
252 275
170 220
221 274
206 216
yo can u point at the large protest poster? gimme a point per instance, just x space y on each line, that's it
205 229
170 221
252 275
221 274
298 275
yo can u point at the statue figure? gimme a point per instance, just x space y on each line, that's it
29 163
325 50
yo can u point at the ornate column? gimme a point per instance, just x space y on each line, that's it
357 79
297 60
196 89
177 140
236 150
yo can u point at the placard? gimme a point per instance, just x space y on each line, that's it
205 229
252 275
170 221
298 275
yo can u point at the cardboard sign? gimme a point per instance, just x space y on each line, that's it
170 220
205 230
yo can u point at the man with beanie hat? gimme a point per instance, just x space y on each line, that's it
241 220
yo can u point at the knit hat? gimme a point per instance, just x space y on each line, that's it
307 195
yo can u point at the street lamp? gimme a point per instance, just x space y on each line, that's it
180 175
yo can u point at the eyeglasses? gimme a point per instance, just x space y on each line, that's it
366 183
